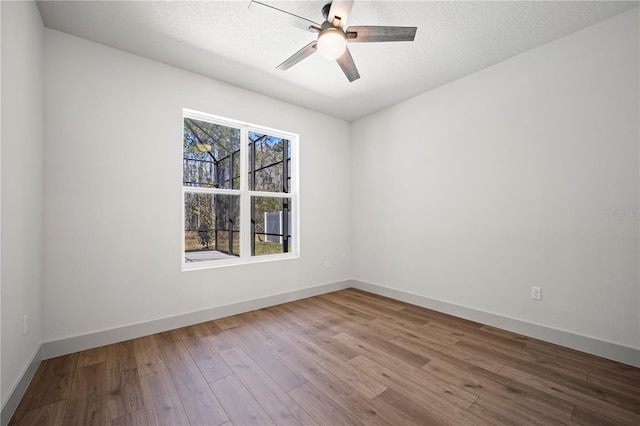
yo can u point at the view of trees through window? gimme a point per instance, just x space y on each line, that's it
214 190
269 170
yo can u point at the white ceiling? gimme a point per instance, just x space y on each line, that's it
230 42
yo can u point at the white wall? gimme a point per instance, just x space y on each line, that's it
22 142
112 192
474 192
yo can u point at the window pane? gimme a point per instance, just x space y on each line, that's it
271 223
211 155
267 155
211 226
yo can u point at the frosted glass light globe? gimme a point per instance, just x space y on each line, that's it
332 43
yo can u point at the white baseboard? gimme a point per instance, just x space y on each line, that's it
613 351
9 406
73 344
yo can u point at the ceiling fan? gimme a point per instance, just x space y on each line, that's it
332 35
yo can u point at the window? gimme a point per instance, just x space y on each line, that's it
239 192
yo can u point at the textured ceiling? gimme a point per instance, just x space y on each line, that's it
230 42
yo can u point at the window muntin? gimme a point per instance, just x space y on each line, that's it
239 192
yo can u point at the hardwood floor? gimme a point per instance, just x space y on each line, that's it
344 358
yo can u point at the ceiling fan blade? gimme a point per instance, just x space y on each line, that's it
305 52
348 66
368 34
340 10
285 17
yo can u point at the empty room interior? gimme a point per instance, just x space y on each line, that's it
302 212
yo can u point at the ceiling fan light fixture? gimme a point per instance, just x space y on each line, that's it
332 43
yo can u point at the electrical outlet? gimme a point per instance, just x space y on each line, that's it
327 264
25 325
536 293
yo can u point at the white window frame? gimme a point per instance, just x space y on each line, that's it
246 195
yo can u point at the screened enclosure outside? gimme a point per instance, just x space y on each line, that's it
269 171
271 225
237 180
270 163
211 155
212 223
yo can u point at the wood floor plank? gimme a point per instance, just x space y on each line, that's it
200 404
441 318
520 358
34 389
369 299
165 338
571 366
624 389
489 385
627 401
496 412
306 307
265 329
412 331
124 394
400 410
433 349
278 405
324 410
92 356
147 354
342 351
581 397
49 415
372 330
284 376
341 311
339 349
490 416
437 394
203 353
86 403
301 324
277 320
229 322
474 334
401 317
571 363
507 334
137 418
384 351
586 416
265 319
220 339
55 381
362 383
241 407
161 401
336 389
